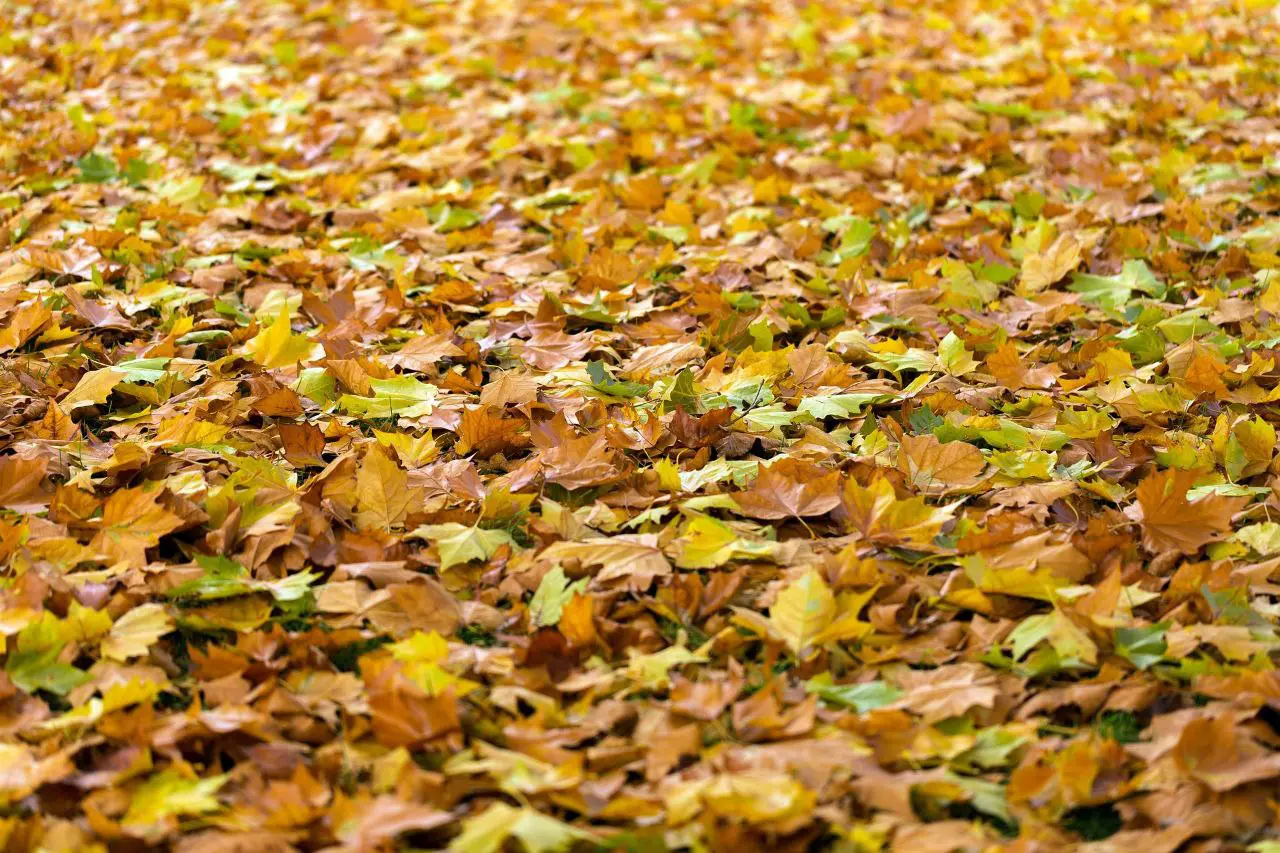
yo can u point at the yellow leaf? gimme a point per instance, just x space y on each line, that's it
382 492
458 543
1041 269
802 611
277 346
22 324
489 832
136 631
166 795
708 543
93 388
754 796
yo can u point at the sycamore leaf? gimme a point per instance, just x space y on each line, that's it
136 631
424 656
953 357
790 488
652 671
93 388
382 492
166 796
459 543
862 697
1041 269
709 543
133 521
636 557
1171 522
937 467
877 513
23 324
802 611
401 397
489 832
276 346
553 593
40 669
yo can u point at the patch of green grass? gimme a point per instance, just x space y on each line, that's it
1119 726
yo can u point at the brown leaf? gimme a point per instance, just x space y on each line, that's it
402 713
581 462
486 431
1171 522
790 488
936 467
20 483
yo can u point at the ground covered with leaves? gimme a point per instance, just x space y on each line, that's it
639 426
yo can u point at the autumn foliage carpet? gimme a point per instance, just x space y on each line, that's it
720 425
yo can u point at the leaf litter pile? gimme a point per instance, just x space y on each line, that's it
639 426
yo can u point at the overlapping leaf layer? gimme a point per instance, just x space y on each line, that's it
708 425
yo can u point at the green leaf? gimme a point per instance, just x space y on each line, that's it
136 171
839 405
401 397
683 394
167 795
1142 647
225 578
96 168
448 218
41 670
458 543
553 593
606 384
1028 204
954 358
863 697
1112 292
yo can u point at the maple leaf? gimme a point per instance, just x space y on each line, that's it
876 512
709 543
356 411
161 799
20 483
133 521
487 431
276 346
580 462
936 467
802 611
382 491
1171 522
136 631
93 388
1041 269
458 543
550 349
1011 369
489 831
948 691
424 352
635 557
404 714
553 593
790 488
